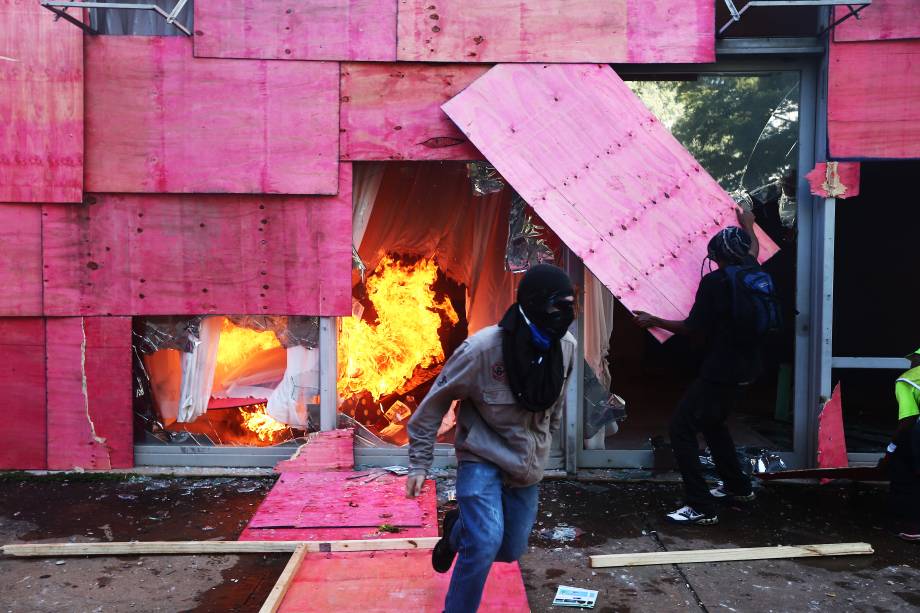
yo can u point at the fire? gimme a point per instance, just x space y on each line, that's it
381 357
239 344
260 423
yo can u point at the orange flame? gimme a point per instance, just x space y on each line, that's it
381 357
260 423
239 344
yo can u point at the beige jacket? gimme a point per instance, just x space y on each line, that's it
491 427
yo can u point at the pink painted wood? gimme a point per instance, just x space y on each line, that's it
393 111
41 106
90 420
356 30
388 581
604 174
882 20
181 255
20 259
334 450
164 121
22 387
834 179
872 111
832 444
556 31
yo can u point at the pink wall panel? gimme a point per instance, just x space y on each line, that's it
882 20
164 121
834 179
603 173
356 30
556 31
90 418
393 111
155 254
41 105
22 388
872 110
20 259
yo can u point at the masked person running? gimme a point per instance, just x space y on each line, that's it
510 379
731 362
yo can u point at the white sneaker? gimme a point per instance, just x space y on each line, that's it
687 515
723 494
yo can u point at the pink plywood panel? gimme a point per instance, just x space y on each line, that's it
556 31
387 581
882 20
604 174
20 259
182 255
41 106
90 419
393 111
333 450
22 387
834 179
872 110
355 30
832 444
163 121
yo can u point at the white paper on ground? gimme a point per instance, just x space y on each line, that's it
567 596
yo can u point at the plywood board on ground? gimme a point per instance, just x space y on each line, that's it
22 388
163 121
20 259
881 20
333 450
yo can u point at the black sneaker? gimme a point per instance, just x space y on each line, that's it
442 556
687 515
728 496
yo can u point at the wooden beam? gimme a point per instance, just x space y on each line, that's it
281 586
210 547
729 555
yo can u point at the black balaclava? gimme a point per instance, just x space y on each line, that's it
530 346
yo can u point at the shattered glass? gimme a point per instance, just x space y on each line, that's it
525 248
484 179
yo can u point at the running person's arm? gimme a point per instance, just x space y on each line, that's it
746 221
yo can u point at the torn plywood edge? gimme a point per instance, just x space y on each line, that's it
333 450
22 387
729 555
834 179
89 393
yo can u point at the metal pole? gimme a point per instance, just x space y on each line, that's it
328 373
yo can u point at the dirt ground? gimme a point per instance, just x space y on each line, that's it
577 519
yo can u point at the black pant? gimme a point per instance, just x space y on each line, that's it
904 488
704 409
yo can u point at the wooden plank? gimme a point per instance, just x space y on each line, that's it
604 174
872 112
41 103
90 419
356 30
183 255
125 548
729 555
834 179
281 586
393 111
856 473
556 31
882 20
22 387
20 259
163 121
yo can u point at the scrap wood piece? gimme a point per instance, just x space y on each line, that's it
832 444
281 586
729 555
40 550
332 450
834 179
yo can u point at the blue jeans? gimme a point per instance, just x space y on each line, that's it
494 525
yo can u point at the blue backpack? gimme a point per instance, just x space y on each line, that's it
755 307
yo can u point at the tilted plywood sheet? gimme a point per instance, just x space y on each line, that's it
90 416
22 387
604 174
158 254
20 259
393 111
872 110
41 105
354 30
679 31
881 20
162 121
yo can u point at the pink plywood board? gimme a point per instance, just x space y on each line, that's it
333 450
388 581
882 20
163 121
22 387
20 259
90 417
832 444
604 174
834 179
162 254
337 499
355 30
619 31
41 106
393 111
872 110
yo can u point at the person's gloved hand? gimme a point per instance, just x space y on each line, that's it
414 485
